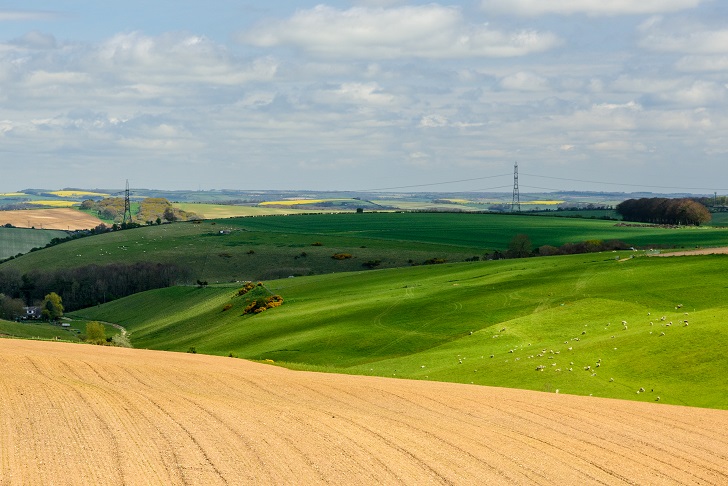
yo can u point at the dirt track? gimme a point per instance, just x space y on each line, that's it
57 218
80 414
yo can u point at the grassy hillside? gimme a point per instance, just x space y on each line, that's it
279 246
489 323
21 240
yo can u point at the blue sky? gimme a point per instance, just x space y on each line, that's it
620 95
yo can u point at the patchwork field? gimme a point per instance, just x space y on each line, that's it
79 414
56 218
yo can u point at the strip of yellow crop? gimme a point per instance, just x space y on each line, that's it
544 203
76 193
457 201
297 202
55 204
11 194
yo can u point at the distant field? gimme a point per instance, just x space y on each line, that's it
57 218
79 193
45 331
54 203
21 240
222 211
487 323
270 247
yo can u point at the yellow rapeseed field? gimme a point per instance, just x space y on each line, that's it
77 193
297 202
11 194
545 203
55 204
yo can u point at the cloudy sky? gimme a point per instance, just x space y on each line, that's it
620 95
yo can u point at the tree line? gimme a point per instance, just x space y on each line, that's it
662 210
84 286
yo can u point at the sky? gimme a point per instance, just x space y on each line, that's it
595 95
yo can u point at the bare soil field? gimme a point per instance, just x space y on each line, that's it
56 218
698 251
81 414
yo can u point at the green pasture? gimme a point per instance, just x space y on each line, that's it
46 331
487 323
21 240
270 247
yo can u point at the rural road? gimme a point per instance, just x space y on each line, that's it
82 414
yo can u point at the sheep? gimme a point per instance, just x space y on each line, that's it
642 390
540 368
587 368
662 334
686 324
657 399
611 380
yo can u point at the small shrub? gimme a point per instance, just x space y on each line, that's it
317 243
251 252
246 288
192 350
434 261
121 340
371 264
341 256
227 307
224 255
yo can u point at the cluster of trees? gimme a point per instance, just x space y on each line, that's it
89 285
151 210
661 210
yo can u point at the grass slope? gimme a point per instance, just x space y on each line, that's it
444 322
278 246
22 240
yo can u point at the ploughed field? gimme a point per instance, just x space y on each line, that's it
56 218
77 414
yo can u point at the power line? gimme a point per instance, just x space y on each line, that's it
624 184
435 183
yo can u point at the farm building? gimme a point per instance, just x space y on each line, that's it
32 312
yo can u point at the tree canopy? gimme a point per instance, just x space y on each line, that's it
661 210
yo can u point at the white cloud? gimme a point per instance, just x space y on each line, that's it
702 64
525 81
356 93
683 37
25 15
589 7
699 93
177 58
429 31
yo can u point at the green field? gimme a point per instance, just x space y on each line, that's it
21 240
444 322
271 247
45 331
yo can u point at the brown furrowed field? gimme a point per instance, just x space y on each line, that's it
56 218
81 414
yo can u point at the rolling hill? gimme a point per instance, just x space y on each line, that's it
541 324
